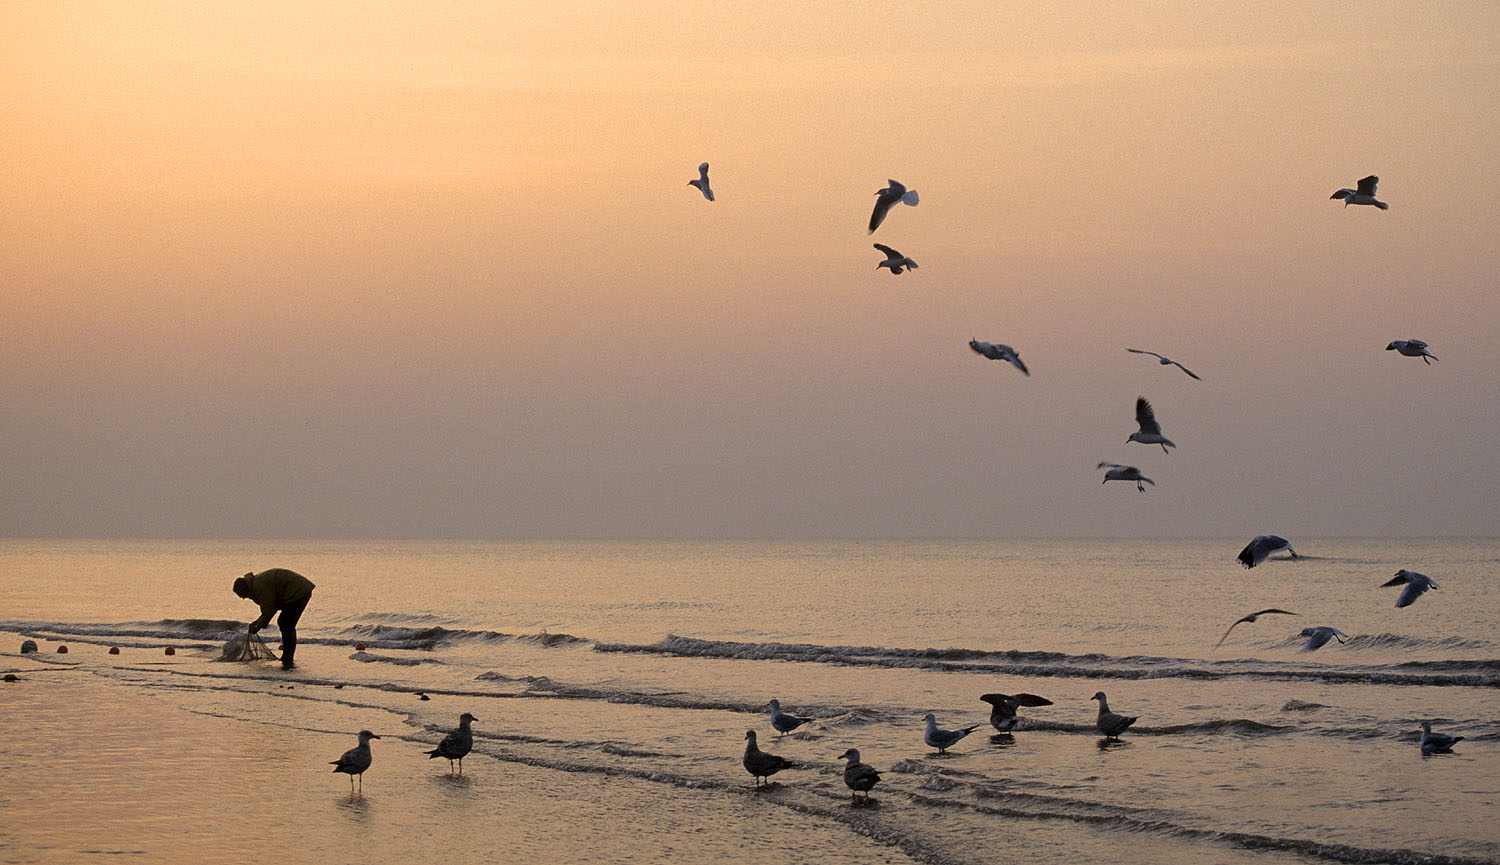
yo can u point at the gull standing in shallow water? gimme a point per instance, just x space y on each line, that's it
1250 618
886 198
783 722
1003 708
760 764
894 260
1165 361
1319 637
942 740
457 744
356 760
859 777
1415 584
997 351
1118 472
1365 194
702 182
1109 723
1150 432
1412 348
1262 546
1437 743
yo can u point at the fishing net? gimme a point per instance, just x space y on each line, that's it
247 647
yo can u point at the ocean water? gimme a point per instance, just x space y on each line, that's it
614 684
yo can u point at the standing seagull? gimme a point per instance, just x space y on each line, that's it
760 764
1150 433
1437 743
1262 546
1412 348
1415 584
457 744
997 351
859 777
356 760
1165 361
1110 724
1318 637
1365 194
894 260
886 199
1118 472
1250 618
702 182
783 722
942 740
1003 708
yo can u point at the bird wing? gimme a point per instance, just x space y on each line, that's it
1143 351
1032 700
1185 369
1146 417
882 205
1231 627
1400 579
890 253
1367 185
1342 193
1415 343
1016 359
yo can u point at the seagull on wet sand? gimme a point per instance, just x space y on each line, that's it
942 740
1319 636
760 764
1412 348
1109 723
1150 433
1262 546
997 351
1437 743
1118 472
356 760
1250 618
1365 194
894 260
783 722
859 777
1003 708
702 182
1415 584
1165 361
457 744
886 198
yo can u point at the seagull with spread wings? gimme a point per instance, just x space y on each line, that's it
1165 361
1365 194
894 260
1250 618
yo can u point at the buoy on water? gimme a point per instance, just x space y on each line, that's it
114 650
359 647
62 650
170 651
28 646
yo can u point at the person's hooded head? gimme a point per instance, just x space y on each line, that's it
242 586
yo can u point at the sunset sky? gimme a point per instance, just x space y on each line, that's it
348 269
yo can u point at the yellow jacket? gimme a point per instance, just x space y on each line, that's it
274 589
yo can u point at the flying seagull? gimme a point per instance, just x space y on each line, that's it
1165 361
760 764
1150 433
1412 348
457 744
1110 724
702 182
997 351
859 777
1003 708
1262 546
942 740
1415 584
886 199
1437 743
356 760
894 260
1118 472
1365 194
1319 637
783 722
1250 618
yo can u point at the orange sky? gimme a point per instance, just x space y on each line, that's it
434 269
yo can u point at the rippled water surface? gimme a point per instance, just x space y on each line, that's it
614 683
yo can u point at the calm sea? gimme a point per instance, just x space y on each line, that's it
614 683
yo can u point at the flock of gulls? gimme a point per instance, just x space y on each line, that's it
860 777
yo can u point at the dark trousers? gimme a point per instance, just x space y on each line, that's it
287 622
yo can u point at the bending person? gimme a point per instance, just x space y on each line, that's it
278 589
